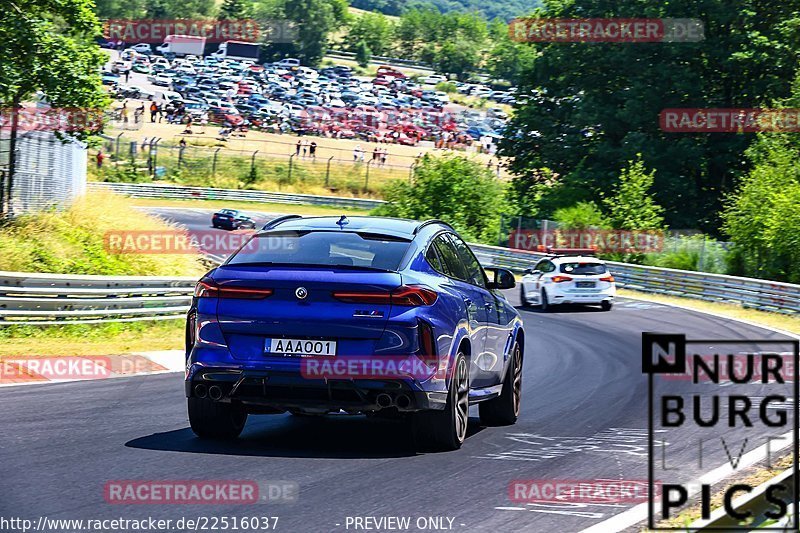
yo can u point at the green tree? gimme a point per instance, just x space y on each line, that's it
363 54
633 207
582 215
376 30
761 218
48 46
234 10
456 189
314 20
594 106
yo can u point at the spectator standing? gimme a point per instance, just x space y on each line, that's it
153 110
312 149
100 157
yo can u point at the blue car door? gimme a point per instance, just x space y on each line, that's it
471 294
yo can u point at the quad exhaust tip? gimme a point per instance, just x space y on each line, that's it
403 401
200 390
214 392
384 400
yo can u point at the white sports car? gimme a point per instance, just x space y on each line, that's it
568 279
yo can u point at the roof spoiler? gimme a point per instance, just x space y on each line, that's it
276 221
432 221
566 251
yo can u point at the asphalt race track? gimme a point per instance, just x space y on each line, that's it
584 416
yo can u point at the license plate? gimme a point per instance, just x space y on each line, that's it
299 347
585 284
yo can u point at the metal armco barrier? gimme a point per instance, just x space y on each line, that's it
54 299
45 299
150 190
748 292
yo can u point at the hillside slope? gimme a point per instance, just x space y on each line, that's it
504 9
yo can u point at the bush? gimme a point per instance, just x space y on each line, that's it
696 252
458 190
580 216
446 86
762 218
72 241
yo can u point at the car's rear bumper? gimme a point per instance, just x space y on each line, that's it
281 391
593 297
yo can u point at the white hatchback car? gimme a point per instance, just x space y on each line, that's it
568 279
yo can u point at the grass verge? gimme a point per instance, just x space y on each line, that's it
72 241
294 209
787 323
90 339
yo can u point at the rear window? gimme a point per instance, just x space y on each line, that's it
324 248
585 269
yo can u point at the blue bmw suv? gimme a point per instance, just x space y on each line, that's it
361 315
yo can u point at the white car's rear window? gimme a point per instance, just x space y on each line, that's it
583 269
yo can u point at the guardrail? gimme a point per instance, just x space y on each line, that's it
46 299
55 299
748 292
390 61
157 190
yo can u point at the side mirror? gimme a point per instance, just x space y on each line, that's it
502 279
527 271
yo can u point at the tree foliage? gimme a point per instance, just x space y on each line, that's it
454 188
374 29
48 46
594 106
363 54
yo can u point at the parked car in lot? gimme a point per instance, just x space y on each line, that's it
433 79
232 219
572 279
340 290
142 48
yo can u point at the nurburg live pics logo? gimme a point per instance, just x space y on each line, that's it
666 355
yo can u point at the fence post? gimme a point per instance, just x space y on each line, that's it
411 172
116 148
180 156
154 154
214 163
253 163
289 177
366 179
328 171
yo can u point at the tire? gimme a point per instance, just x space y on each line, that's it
504 410
544 303
215 420
522 298
446 430
606 305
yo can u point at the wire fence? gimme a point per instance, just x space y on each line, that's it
283 165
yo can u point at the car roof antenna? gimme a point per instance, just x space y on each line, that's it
342 222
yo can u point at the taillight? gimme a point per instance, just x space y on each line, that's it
608 278
560 279
406 295
413 296
207 288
